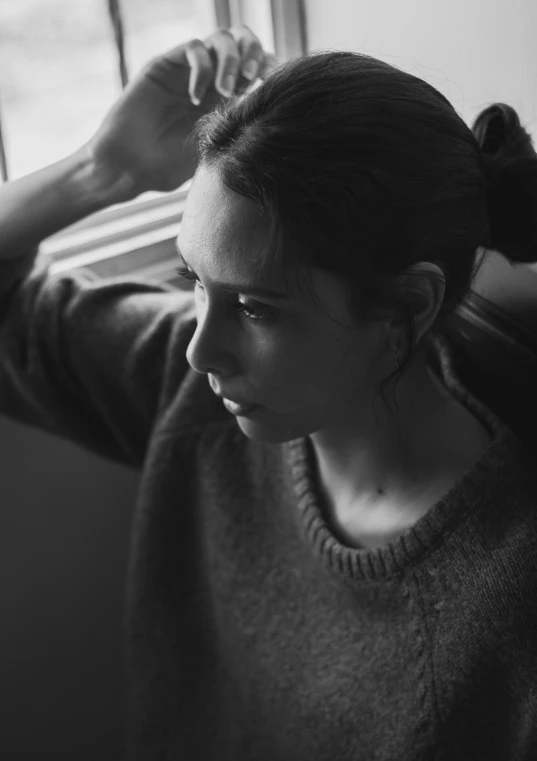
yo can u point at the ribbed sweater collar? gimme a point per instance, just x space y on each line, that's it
489 479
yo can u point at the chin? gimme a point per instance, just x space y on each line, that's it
273 433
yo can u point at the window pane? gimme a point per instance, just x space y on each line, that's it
59 72
154 26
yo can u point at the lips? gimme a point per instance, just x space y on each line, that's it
235 401
239 409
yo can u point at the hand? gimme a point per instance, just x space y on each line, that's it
143 143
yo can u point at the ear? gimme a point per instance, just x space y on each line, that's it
423 285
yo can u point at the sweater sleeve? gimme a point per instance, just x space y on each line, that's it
90 359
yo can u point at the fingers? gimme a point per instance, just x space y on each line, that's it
201 70
227 58
238 53
224 58
250 51
270 62
255 62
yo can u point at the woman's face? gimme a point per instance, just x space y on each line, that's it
304 370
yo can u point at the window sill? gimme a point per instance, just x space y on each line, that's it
130 240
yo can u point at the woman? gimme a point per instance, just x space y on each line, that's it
315 575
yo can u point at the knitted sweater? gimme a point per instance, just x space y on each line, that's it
251 632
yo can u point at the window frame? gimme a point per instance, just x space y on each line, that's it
137 239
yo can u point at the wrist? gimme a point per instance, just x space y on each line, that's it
97 185
40 204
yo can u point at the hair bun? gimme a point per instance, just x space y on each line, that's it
510 165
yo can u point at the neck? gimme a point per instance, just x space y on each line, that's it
373 458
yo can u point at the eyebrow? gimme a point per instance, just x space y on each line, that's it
247 290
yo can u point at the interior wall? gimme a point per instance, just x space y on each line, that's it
65 521
475 52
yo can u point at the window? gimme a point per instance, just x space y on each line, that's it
63 64
60 71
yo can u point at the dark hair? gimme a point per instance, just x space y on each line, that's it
364 170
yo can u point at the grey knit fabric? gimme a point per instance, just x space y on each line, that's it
251 631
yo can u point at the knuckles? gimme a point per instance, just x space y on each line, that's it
209 51
194 45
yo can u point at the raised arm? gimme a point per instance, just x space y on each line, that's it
143 143
93 360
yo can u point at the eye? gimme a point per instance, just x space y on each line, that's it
187 274
252 313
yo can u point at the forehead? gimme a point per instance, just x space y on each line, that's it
221 229
224 235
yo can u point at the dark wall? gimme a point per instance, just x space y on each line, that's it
65 519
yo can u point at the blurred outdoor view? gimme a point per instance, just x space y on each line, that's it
59 71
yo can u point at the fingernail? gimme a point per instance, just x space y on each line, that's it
250 68
228 85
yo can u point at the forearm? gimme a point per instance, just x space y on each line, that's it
44 202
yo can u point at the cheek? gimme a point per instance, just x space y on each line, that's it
302 374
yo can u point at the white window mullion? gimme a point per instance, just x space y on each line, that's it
289 28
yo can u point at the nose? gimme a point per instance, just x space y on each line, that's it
208 350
